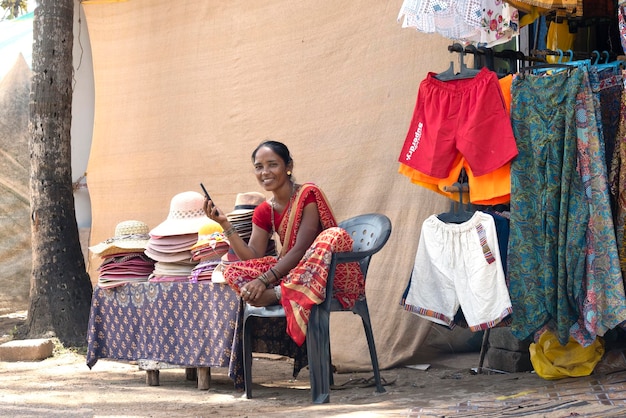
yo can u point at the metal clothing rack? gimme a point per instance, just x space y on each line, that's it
485 57
460 187
604 55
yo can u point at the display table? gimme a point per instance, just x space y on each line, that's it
191 325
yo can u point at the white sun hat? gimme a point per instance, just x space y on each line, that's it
186 216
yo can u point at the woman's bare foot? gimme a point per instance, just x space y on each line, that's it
267 298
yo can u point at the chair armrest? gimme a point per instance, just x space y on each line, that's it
272 311
351 256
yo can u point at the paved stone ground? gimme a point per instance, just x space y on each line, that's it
596 396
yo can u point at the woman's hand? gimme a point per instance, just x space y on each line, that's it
213 212
252 291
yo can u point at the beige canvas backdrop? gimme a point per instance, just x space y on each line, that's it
184 91
16 255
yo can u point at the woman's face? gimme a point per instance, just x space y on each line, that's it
270 169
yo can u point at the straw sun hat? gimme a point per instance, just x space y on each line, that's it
206 233
186 216
246 202
130 236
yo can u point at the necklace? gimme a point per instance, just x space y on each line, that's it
287 209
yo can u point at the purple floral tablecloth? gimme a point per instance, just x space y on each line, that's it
186 324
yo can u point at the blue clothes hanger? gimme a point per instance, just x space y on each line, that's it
577 63
544 69
595 53
616 65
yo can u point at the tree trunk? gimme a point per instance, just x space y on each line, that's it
60 291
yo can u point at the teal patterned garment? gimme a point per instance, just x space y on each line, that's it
549 212
604 304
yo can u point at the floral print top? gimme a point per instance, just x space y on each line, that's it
480 22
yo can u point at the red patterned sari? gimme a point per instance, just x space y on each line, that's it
305 285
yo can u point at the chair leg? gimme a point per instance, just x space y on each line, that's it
362 310
247 358
331 378
318 352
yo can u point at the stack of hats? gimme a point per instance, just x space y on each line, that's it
208 251
171 241
241 219
123 255
241 216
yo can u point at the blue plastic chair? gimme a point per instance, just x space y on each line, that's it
370 233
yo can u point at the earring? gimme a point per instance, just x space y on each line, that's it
289 173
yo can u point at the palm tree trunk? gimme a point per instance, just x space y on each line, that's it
60 292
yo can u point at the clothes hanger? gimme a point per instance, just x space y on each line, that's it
613 65
471 49
596 54
487 56
447 74
542 69
577 63
464 71
457 213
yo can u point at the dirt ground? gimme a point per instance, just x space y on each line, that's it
63 386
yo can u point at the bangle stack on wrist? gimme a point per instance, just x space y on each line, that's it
276 273
263 278
230 231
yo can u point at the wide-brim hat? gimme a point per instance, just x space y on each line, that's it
210 232
130 236
170 245
208 252
230 256
186 215
168 257
246 202
173 269
218 274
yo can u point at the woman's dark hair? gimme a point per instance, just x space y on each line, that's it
278 147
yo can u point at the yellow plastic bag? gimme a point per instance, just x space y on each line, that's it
553 361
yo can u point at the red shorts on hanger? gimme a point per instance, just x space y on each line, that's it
464 115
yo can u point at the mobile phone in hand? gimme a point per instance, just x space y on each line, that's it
208 197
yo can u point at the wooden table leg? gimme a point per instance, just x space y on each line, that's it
152 377
191 373
204 378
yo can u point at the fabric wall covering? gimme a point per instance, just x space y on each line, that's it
16 255
184 91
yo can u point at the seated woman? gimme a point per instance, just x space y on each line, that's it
308 232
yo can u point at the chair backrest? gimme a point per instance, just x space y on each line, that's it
370 232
